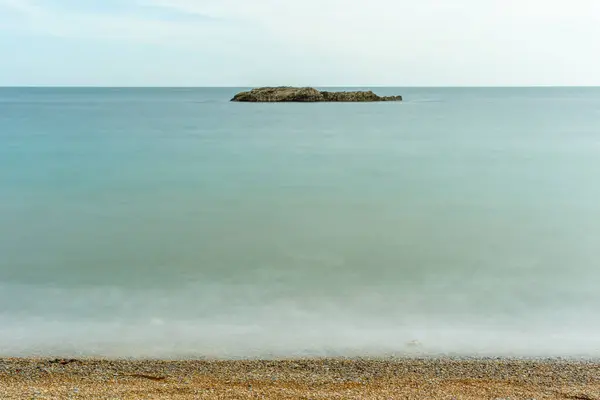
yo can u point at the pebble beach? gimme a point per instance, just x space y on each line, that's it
414 378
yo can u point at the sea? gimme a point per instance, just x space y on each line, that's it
173 223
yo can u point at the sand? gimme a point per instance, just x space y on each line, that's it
300 379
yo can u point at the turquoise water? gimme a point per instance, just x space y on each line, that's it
171 222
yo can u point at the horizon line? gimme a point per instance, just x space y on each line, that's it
317 86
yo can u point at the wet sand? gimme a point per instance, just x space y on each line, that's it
300 379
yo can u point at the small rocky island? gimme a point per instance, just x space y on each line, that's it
307 95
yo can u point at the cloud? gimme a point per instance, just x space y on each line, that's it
432 40
323 27
21 9
425 42
143 24
378 27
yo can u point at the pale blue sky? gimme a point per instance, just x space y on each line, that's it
299 42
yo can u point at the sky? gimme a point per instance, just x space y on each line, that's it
299 42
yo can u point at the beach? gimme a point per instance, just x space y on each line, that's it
410 378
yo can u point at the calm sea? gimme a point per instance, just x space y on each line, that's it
173 223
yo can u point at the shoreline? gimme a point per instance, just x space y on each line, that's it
296 378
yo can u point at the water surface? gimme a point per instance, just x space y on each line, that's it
171 222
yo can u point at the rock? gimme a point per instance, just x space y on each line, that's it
307 95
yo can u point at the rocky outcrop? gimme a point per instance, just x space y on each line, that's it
307 95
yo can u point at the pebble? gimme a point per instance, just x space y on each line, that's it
573 378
